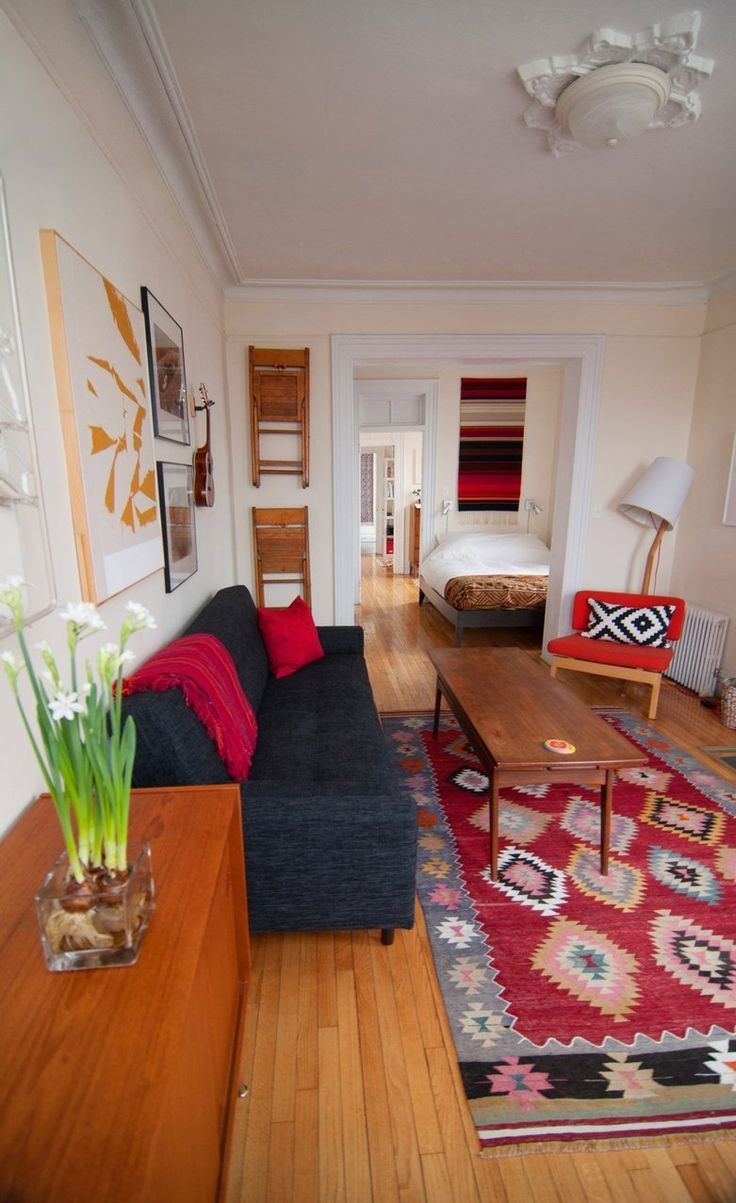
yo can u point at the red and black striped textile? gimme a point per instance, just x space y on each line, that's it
491 442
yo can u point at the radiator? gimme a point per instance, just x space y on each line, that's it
699 650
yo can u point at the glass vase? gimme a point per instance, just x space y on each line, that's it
100 925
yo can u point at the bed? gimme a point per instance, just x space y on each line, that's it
481 579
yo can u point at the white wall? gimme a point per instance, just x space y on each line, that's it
93 181
704 571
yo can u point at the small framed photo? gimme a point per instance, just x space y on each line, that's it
729 509
176 497
165 341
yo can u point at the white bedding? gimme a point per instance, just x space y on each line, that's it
484 554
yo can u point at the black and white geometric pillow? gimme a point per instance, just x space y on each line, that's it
646 626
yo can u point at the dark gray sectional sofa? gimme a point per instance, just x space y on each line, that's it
330 839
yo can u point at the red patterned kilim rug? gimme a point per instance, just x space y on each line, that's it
583 1007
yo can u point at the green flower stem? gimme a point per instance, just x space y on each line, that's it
84 749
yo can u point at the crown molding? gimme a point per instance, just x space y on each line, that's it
466 292
723 284
129 41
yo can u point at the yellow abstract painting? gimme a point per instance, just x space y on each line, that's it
98 344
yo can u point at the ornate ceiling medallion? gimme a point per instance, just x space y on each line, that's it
617 86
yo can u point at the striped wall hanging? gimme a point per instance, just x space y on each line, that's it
491 442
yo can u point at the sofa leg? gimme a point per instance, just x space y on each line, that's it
387 935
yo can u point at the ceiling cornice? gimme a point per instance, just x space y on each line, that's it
128 38
723 285
464 292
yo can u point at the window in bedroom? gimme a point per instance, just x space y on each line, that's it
492 411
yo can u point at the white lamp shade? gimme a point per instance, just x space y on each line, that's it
613 104
658 495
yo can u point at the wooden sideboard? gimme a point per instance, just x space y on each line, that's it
120 1083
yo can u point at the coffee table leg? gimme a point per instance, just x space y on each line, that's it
437 701
493 820
606 808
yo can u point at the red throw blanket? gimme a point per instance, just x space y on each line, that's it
202 668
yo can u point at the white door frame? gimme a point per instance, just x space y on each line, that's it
580 356
428 391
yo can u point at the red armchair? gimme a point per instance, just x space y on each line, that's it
608 659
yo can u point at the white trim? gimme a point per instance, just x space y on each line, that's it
470 292
581 357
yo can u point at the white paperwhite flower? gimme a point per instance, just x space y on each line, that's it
12 667
83 614
65 705
11 596
126 657
44 647
141 616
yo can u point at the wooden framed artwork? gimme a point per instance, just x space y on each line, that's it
24 541
97 338
176 493
166 370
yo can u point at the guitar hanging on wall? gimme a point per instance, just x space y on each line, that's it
204 481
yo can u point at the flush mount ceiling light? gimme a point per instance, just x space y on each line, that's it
617 86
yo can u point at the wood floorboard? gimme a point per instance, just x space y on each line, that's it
354 1089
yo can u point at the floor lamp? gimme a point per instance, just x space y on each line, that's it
656 500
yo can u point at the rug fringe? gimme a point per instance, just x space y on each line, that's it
613 1144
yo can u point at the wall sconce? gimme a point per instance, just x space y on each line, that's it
656 500
531 507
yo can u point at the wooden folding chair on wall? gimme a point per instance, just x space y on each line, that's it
281 550
279 389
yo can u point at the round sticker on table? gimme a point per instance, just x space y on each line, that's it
559 745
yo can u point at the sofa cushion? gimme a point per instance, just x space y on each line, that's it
290 637
318 729
231 616
645 625
625 655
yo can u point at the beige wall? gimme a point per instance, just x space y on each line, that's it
123 220
647 387
704 570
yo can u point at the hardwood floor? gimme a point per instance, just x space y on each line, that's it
354 1093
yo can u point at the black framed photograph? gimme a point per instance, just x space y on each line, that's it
176 498
165 342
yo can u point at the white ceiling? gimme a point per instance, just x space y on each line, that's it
383 140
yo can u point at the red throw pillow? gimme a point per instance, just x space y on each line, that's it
290 637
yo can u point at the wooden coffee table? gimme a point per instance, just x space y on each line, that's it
507 705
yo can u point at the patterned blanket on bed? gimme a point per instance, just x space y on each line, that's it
496 592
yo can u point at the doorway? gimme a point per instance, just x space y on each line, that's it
391 466
580 356
398 418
